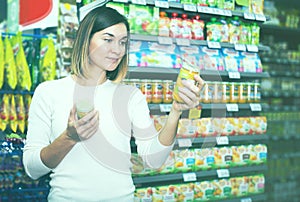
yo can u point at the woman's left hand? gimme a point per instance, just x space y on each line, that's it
190 94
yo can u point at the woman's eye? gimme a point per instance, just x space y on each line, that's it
123 43
108 40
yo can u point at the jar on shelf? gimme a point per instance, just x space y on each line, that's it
168 87
157 92
146 88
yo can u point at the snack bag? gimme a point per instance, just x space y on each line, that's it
10 72
1 62
13 114
4 112
20 113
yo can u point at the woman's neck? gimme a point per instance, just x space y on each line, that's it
92 80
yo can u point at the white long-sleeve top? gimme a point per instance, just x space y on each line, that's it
97 169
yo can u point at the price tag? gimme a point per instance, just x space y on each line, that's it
234 75
204 9
249 16
232 107
121 1
189 177
222 140
183 42
240 47
255 107
217 11
140 2
165 40
227 13
189 7
213 44
195 113
184 142
260 17
223 173
252 48
165 107
162 4
246 200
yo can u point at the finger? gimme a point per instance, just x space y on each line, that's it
188 93
87 133
88 117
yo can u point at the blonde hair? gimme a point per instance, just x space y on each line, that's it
96 20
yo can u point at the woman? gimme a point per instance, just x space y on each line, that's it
88 158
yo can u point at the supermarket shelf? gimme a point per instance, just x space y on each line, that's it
236 138
258 197
168 40
282 61
157 107
200 174
22 92
172 73
280 93
277 28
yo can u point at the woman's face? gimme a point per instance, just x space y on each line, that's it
108 46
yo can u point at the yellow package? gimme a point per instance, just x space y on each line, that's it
23 73
47 60
1 62
4 114
9 66
13 122
20 113
223 157
204 158
186 129
256 6
184 160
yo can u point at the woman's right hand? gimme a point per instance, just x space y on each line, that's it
84 128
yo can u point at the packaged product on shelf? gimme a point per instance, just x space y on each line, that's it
23 73
146 88
245 37
205 127
184 160
175 26
255 34
204 159
224 126
168 87
13 114
47 60
186 27
197 28
143 195
4 113
202 3
10 72
234 93
222 188
224 30
212 3
157 92
232 60
257 92
259 153
234 30
239 186
242 5
256 184
244 125
242 92
143 19
223 157
229 5
20 113
190 54
211 58
186 129
164 193
120 7
163 24
256 6
240 155
152 54
203 191
1 63
184 192
213 30
258 125
251 62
